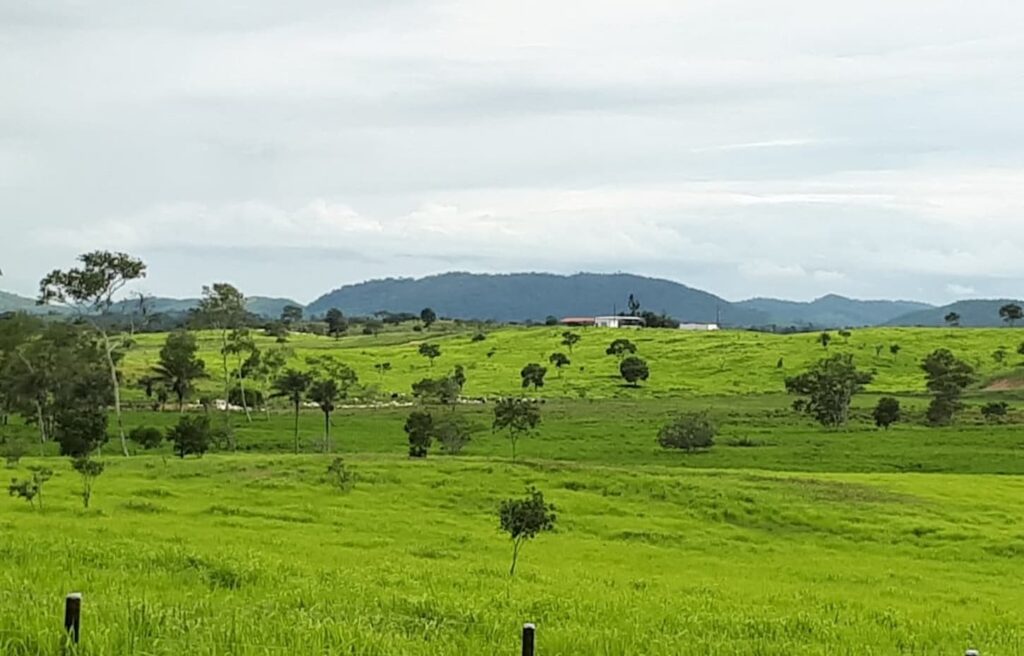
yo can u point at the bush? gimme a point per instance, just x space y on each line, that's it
147 437
689 432
12 453
887 412
419 426
340 476
995 411
479 337
191 435
454 433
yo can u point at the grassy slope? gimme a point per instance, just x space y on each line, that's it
681 363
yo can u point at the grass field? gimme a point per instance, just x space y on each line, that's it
784 538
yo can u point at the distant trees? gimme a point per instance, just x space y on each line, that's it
444 390
90 290
428 317
560 360
292 385
337 324
689 432
652 320
825 339
90 470
633 303
430 351
829 387
146 437
533 374
191 435
519 417
291 315
570 339
946 378
222 308
524 519
1011 313
620 348
887 412
952 319
178 366
633 370
453 432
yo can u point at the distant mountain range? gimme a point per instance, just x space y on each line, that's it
258 305
534 296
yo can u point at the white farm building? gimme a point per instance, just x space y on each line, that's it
699 327
618 322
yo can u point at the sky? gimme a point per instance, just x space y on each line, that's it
790 148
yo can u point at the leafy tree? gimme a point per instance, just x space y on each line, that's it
570 339
653 320
90 290
524 519
222 308
419 427
90 470
340 476
952 319
825 339
382 368
620 348
337 324
887 412
191 435
291 315
995 411
517 416
829 387
243 347
443 390
147 437
453 432
265 366
1011 313
178 367
428 317
633 370
31 489
325 393
533 374
895 350
551 320
634 306
292 385
560 360
430 351
946 378
459 376
479 337
689 432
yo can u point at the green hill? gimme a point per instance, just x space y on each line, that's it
832 311
980 313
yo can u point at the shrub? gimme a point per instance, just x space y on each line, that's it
995 411
479 337
887 412
340 476
147 437
191 435
419 426
454 433
31 489
689 432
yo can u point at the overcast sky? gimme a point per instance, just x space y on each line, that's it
788 148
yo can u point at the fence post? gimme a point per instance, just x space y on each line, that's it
529 639
73 616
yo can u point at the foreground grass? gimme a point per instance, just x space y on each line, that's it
254 554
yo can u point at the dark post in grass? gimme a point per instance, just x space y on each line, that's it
529 639
73 616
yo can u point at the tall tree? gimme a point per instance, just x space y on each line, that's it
570 339
292 385
560 360
946 378
1011 313
291 315
533 374
519 417
90 290
179 367
524 519
325 393
829 387
430 351
634 306
428 317
222 308
953 319
242 347
266 365
337 324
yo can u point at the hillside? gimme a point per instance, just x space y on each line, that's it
981 313
14 303
258 305
832 311
532 296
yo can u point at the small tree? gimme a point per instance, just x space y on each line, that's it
946 378
178 367
222 308
325 393
430 351
517 416
382 368
689 432
533 374
895 350
633 370
1011 313
825 339
90 470
428 317
292 385
31 489
570 339
995 411
191 436
337 324
829 387
147 437
560 360
887 412
952 319
453 433
437 390
620 348
459 376
339 476
524 519
291 315
419 427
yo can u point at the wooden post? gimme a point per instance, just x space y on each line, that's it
73 616
529 639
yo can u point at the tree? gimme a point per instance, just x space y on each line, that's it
620 348
31 489
90 470
533 374
633 370
430 351
382 368
178 367
337 324
999 355
517 416
995 411
634 306
292 385
291 315
895 350
90 290
560 360
325 393
428 317
1011 313
952 319
946 378
524 519
570 339
825 339
689 432
265 366
222 308
453 432
887 412
191 435
419 427
829 387
443 390
147 437
242 346
459 376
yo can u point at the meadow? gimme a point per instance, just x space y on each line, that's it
784 538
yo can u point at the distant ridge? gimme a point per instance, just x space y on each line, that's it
833 311
979 313
258 305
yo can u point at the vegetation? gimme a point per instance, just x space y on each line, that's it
689 432
887 412
947 378
829 387
518 417
633 370
525 519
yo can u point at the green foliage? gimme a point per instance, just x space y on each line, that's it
459 376
825 339
570 339
443 390
191 435
337 324
620 348
428 317
995 411
419 427
90 470
339 476
946 378
148 437
326 393
93 285
453 432
178 367
430 351
887 412
31 488
633 370
829 387
952 319
689 431
478 337
519 417
291 315
533 374
12 453
560 360
524 519
292 385
1011 313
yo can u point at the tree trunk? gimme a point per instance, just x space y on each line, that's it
327 432
515 557
296 427
227 388
241 388
109 350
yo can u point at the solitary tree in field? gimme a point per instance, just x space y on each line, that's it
191 435
689 432
90 470
264 366
382 368
292 385
825 339
325 393
524 519
946 378
430 351
419 427
560 360
291 315
517 416
887 412
428 317
459 376
178 367
337 324
570 339
31 489
533 374
90 290
829 387
1011 313
895 350
222 308
952 319
633 370
620 348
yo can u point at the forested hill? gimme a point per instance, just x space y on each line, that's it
833 311
526 296
979 313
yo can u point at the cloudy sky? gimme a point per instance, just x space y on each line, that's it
788 148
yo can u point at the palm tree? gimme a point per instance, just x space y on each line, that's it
292 385
324 393
178 367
